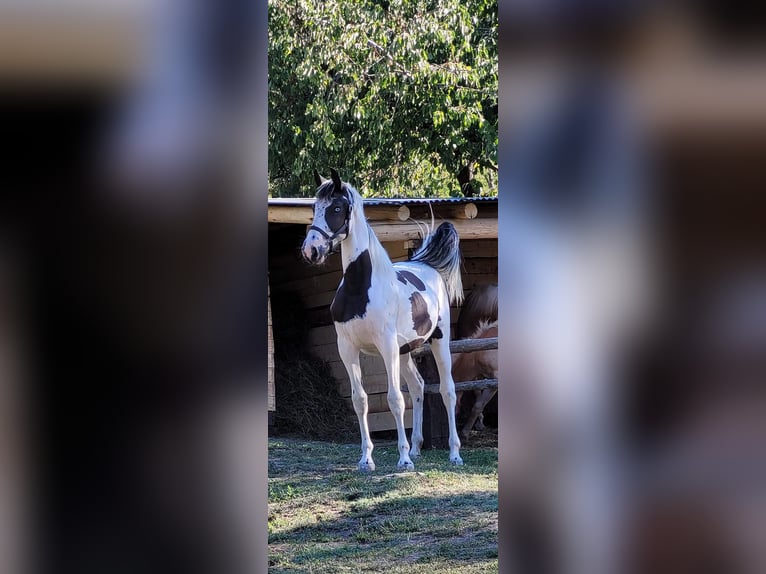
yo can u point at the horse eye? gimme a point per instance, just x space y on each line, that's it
337 210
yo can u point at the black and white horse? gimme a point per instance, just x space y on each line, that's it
388 310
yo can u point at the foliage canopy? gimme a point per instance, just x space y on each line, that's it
399 95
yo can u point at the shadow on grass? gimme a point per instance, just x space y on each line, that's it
419 529
438 515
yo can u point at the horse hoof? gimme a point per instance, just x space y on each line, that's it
414 454
457 461
408 465
368 466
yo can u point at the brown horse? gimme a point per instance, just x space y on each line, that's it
478 320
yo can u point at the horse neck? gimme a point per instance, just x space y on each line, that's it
360 240
350 249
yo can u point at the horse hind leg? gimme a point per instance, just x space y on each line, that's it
441 353
415 385
350 357
479 424
477 410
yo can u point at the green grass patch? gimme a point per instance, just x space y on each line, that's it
324 516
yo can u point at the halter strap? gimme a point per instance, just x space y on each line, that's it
342 229
331 238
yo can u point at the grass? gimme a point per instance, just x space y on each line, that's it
324 516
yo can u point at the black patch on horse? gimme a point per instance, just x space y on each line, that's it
409 277
411 346
437 334
353 294
421 322
336 213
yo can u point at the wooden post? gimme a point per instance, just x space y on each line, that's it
435 423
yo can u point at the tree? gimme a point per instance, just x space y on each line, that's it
400 96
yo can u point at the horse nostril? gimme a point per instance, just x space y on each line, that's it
314 253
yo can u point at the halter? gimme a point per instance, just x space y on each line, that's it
331 238
342 229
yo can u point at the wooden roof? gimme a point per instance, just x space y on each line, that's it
402 219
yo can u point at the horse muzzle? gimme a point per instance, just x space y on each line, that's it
314 253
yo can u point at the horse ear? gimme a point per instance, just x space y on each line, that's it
318 178
335 180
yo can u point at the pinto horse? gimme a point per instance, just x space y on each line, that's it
388 310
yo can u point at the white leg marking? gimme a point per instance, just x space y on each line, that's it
390 354
415 385
440 348
350 356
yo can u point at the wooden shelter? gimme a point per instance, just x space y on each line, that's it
398 223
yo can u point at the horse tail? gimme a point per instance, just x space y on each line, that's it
441 250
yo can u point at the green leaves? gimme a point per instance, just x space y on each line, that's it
399 95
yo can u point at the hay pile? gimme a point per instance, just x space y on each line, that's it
307 399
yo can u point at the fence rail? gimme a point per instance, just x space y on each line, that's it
465 386
462 346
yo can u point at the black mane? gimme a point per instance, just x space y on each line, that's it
326 190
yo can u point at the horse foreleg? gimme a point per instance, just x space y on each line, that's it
440 349
415 385
350 356
390 354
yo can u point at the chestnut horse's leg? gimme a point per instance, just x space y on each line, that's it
478 408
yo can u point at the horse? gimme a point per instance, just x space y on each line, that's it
473 366
387 309
477 320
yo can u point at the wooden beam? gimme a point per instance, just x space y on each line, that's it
479 248
462 346
291 214
386 212
467 229
302 212
462 386
422 211
385 421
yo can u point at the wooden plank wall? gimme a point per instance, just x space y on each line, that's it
315 287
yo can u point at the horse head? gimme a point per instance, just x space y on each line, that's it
332 215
